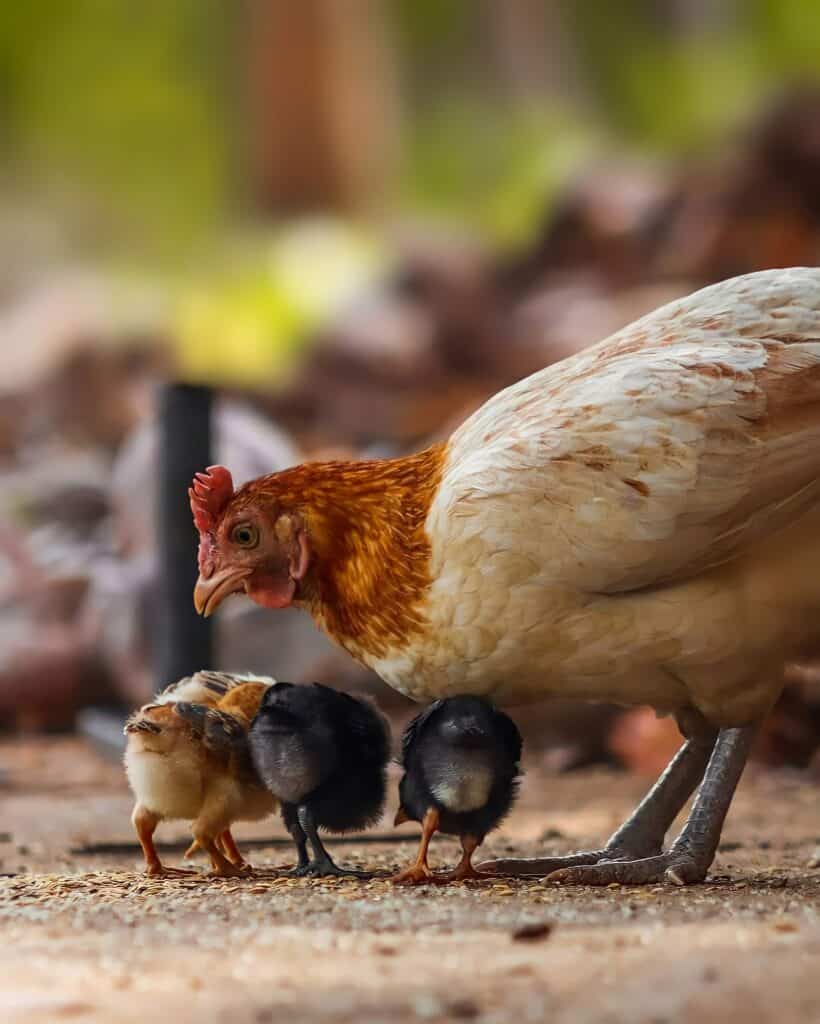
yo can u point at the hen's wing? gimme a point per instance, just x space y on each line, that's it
663 450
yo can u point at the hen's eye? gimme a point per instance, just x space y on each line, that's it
245 535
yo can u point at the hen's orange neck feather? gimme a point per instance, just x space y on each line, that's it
370 555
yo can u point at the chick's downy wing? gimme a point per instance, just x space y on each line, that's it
223 735
203 687
668 448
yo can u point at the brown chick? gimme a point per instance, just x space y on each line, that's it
187 758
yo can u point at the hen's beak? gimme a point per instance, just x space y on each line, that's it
211 592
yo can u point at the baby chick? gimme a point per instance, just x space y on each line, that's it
460 758
323 754
187 757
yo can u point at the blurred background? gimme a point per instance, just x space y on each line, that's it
354 222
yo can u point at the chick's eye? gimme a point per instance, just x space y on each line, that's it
245 535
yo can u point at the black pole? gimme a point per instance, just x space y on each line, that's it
183 639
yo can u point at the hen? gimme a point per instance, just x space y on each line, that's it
461 771
187 757
639 523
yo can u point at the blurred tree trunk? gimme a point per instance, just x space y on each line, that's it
534 51
322 121
690 17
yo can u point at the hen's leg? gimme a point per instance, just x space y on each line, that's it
145 824
420 871
464 869
691 854
643 832
322 864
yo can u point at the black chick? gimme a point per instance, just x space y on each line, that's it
461 769
324 755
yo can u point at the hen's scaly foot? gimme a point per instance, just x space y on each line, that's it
676 868
529 866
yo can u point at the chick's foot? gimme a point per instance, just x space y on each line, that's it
416 874
459 874
464 870
163 871
228 870
322 868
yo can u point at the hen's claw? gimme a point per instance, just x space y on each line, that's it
676 868
327 869
539 866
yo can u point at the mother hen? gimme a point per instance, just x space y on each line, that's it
639 523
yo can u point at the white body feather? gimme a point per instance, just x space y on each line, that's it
169 785
641 522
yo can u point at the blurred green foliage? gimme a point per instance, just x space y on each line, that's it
652 81
248 318
119 120
115 113
125 111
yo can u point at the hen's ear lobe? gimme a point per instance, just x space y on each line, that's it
290 532
298 570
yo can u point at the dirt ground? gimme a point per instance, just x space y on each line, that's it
87 937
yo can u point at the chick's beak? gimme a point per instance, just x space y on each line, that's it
210 592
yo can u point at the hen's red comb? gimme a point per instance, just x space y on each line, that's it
210 493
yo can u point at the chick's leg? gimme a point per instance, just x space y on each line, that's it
145 823
419 871
691 855
231 850
642 834
290 816
221 867
209 830
464 869
321 864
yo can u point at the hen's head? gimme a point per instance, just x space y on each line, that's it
248 541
